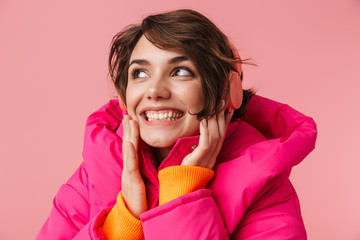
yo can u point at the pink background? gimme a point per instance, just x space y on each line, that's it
53 74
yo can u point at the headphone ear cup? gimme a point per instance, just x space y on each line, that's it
235 81
236 91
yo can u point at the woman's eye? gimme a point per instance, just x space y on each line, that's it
138 74
182 72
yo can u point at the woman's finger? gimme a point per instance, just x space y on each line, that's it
208 142
213 132
132 165
124 140
132 147
223 118
134 134
195 158
130 144
221 124
204 135
203 146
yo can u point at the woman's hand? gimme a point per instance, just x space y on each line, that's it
212 135
133 187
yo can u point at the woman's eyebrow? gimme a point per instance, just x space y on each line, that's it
171 61
140 62
178 59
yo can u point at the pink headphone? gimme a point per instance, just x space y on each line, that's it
235 77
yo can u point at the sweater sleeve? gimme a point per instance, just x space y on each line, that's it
70 217
121 224
176 181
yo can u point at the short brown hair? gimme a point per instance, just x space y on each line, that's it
192 34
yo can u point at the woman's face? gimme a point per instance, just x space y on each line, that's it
163 87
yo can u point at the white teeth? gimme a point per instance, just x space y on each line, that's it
167 116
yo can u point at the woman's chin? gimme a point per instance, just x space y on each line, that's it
158 142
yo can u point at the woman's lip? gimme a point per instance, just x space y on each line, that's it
160 108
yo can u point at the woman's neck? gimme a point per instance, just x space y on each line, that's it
160 154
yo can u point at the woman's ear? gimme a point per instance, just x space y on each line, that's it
122 104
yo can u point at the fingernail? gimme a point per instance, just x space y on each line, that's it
204 122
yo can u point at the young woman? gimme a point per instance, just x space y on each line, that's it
175 157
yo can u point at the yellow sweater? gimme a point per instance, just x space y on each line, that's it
174 182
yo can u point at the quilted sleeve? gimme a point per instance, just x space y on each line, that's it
69 217
275 214
191 216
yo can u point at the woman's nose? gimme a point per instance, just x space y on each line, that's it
158 89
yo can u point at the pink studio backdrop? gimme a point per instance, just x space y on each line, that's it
53 74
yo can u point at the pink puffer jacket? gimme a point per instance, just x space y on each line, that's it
250 196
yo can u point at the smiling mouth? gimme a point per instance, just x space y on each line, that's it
164 115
